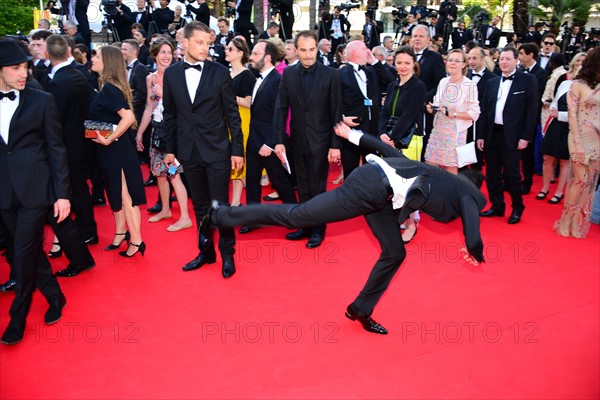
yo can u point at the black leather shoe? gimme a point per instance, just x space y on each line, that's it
54 313
155 209
228 267
269 198
8 286
209 257
245 229
492 213
13 333
99 201
515 217
151 181
91 240
366 321
73 270
299 234
315 240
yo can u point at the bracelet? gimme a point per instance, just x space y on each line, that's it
455 115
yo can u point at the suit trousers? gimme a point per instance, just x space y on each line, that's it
277 175
528 158
363 193
499 157
82 206
311 176
351 156
71 241
30 264
208 182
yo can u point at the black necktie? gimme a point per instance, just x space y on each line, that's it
197 67
508 78
10 95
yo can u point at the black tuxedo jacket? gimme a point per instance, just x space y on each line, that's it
33 164
312 119
487 75
244 11
123 23
137 82
438 193
227 37
202 12
144 18
72 96
541 75
520 111
493 39
208 122
263 112
219 54
144 55
326 28
264 35
320 58
432 71
460 38
372 39
353 100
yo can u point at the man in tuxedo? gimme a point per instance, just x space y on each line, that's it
216 52
528 54
33 176
361 81
200 116
411 20
123 21
272 31
381 54
262 138
71 30
339 27
141 15
460 36
225 35
311 92
386 191
286 19
388 44
324 54
242 24
37 47
548 43
371 30
490 35
432 70
72 96
479 74
509 111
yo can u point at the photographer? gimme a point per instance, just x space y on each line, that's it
242 24
286 18
371 30
76 12
447 15
123 18
163 16
338 28
202 12
143 14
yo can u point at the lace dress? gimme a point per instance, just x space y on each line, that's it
576 215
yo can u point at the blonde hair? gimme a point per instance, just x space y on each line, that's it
464 57
114 72
576 58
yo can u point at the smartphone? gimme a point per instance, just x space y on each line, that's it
357 120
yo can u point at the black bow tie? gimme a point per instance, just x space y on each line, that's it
525 70
361 67
10 95
129 67
545 56
197 67
508 78
474 74
418 54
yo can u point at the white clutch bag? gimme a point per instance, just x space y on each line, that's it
466 154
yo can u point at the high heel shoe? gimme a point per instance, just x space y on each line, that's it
116 246
55 254
141 248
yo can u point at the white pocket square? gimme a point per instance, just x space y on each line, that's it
521 92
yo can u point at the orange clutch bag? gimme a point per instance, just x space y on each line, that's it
91 127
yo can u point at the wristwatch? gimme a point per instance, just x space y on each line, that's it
455 115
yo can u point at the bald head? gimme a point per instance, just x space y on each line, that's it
356 52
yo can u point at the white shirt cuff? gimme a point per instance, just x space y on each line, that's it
354 136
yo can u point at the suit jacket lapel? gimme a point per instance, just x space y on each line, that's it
203 78
11 130
265 82
351 75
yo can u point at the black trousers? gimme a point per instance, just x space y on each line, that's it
277 175
81 199
528 161
351 156
311 176
31 267
71 241
209 181
363 193
499 157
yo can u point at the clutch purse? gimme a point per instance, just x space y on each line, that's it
466 154
105 128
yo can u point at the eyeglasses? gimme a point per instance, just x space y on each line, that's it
549 43
452 60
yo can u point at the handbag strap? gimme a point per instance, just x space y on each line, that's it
395 102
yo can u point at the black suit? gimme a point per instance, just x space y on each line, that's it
461 37
141 17
202 12
163 17
519 120
243 25
137 83
227 38
123 22
353 104
217 53
436 192
198 133
493 39
313 97
286 16
371 34
345 28
262 133
33 175
321 58
486 76
72 96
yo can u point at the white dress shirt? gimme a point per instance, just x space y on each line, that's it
7 110
192 79
503 91
259 80
57 67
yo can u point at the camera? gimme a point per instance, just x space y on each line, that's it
435 109
275 7
110 7
398 15
348 6
229 12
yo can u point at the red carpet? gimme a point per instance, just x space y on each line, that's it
524 325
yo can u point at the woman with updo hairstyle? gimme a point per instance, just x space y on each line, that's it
117 152
404 100
237 53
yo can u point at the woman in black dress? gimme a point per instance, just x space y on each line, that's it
117 153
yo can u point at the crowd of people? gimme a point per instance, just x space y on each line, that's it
208 112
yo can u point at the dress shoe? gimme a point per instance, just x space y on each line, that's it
209 257
99 201
315 240
155 209
151 181
492 213
54 313
14 333
8 286
91 240
73 270
228 267
141 248
245 229
525 189
299 234
366 321
57 253
515 217
270 198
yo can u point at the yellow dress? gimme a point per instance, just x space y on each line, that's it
245 123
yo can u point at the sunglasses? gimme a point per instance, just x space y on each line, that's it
549 43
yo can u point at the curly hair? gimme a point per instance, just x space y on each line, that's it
590 70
